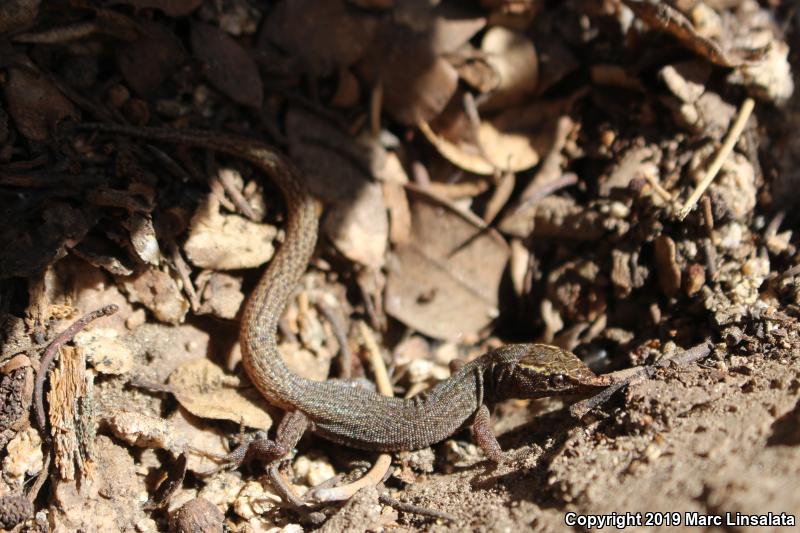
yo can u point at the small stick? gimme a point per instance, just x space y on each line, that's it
722 154
50 354
416 509
376 361
336 320
627 376
708 216
657 187
375 106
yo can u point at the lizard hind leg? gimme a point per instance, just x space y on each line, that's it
291 428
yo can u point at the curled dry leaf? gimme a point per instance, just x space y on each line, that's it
513 56
661 16
499 148
97 251
471 162
227 242
417 84
143 238
452 24
230 68
509 151
206 391
445 281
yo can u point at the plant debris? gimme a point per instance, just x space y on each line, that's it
613 177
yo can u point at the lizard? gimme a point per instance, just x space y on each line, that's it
341 411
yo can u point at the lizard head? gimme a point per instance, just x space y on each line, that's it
538 370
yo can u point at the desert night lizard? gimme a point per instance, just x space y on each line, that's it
341 411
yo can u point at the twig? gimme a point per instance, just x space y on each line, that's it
657 187
416 509
376 361
722 154
375 106
537 194
236 196
625 377
336 320
184 272
50 354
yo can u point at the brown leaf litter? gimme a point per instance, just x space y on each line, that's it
614 177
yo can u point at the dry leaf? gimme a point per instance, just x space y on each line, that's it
508 151
359 227
452 25
513 56
204 390
229 66
334 165
445 281
150 60
471 162
323 35
664 17
396 200
416 83
511 151
143 238
36 105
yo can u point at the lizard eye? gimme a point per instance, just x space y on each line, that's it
558 380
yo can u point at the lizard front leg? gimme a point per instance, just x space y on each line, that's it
483 436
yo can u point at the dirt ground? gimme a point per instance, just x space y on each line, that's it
614 177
